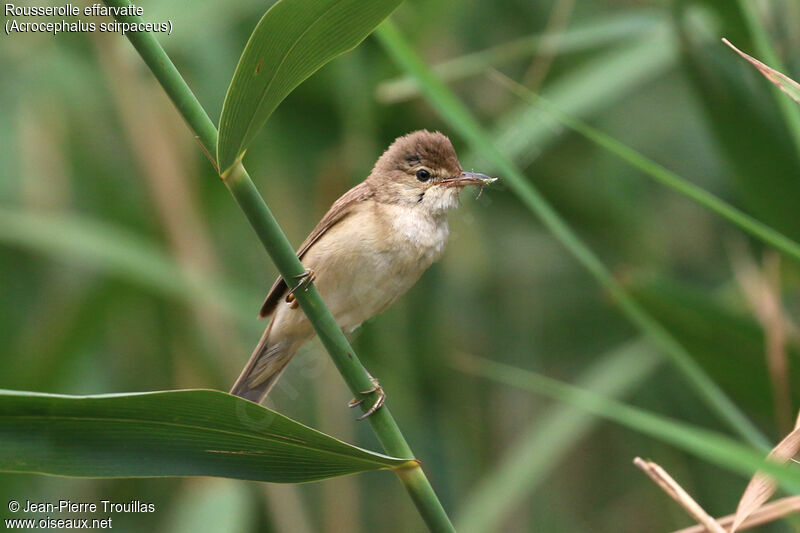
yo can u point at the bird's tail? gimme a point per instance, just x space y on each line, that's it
266 364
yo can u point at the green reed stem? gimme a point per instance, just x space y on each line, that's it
460 119
659 173
708 445
283 255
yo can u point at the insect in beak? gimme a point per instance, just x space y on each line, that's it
468 178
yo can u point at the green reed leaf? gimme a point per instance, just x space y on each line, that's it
172 433
294 39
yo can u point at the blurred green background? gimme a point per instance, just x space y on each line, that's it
126 266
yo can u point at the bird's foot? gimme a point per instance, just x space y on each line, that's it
379 401
305 278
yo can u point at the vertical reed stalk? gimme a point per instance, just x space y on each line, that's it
283 255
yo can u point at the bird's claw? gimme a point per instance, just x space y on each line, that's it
379 401
306 278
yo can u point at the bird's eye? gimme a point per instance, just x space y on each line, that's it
423 175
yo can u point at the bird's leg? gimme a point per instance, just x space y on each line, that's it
379 401
305 280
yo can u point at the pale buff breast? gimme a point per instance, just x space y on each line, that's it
368 260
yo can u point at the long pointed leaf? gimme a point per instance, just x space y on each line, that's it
577 38
708 445
292 41
661 174
173 433
550 438
523 134
115 251
783 82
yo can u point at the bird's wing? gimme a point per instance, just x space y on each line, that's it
340 209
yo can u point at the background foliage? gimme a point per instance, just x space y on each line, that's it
125 266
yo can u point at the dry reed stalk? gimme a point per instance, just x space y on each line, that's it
762 487
765 514
676 492
761 288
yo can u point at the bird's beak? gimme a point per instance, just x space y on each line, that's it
468 178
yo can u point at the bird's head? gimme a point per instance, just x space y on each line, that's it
421 170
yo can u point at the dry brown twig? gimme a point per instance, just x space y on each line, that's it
761 288
752 510
761 487
676 492
763 515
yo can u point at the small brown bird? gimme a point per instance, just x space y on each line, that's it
370 247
